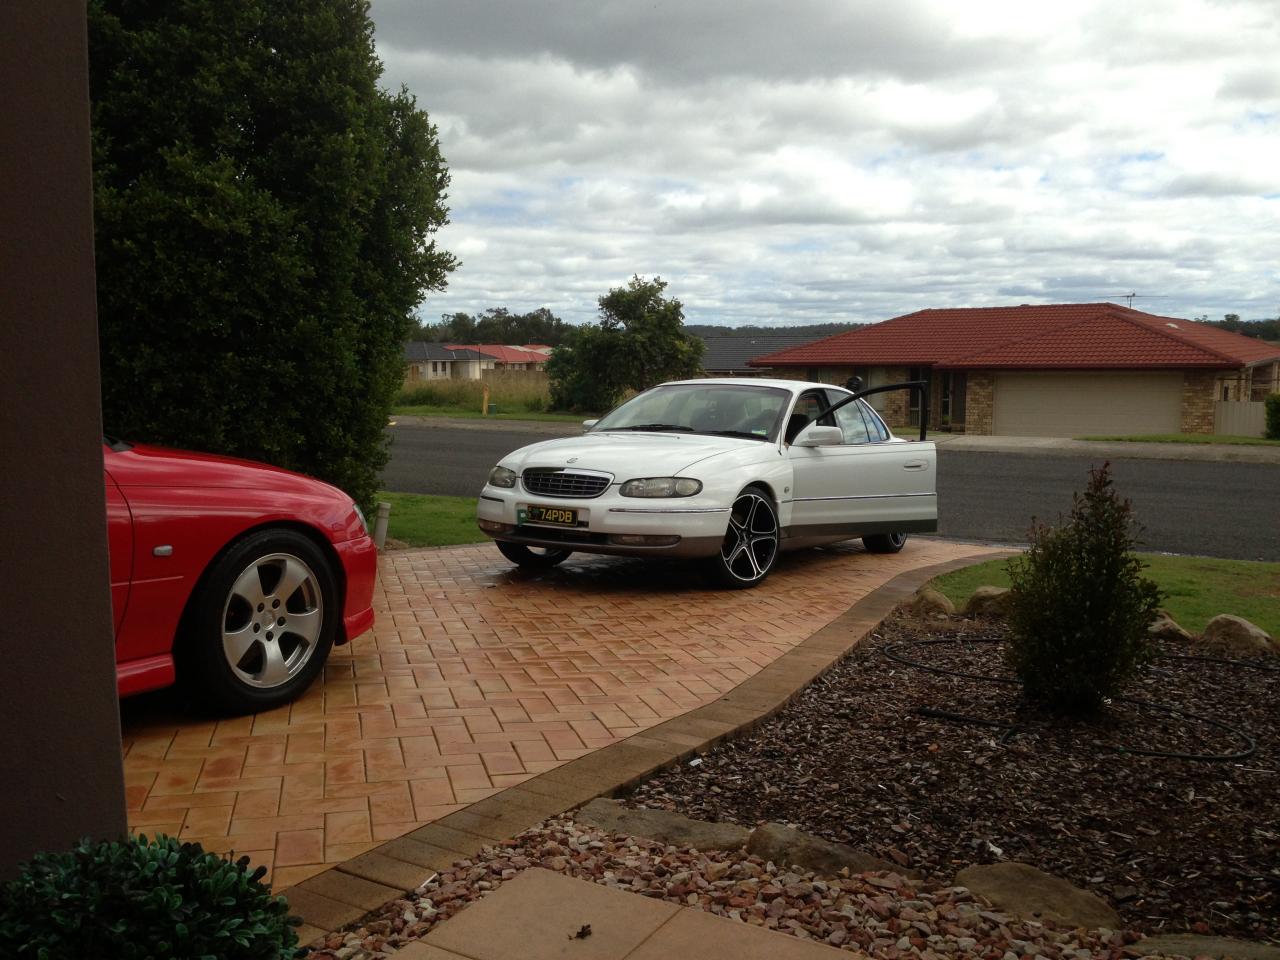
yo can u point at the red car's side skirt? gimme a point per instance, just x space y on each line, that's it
145 673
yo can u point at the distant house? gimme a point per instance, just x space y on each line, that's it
1057 370
433 361
729 356
507 357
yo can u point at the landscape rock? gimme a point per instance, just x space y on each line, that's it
930 603
988 602
1237 635
790 847
1164 627
1191 945
1033 894
612 817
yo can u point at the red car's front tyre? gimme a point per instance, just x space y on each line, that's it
262 625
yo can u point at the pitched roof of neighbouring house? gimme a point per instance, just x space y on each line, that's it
503 353
1050 336
732 353
417 351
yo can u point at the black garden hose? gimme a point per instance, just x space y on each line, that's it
893 652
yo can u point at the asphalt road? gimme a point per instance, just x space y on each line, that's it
1212 509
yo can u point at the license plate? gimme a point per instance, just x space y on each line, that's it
554 515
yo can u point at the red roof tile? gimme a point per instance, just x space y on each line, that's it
1057 335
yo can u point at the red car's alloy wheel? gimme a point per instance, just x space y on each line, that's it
262 624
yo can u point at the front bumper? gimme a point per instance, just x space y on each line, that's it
360 565
608 524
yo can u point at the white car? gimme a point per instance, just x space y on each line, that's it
732 471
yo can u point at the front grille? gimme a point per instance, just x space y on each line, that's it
553 482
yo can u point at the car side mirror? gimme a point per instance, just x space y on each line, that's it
817 436
588 424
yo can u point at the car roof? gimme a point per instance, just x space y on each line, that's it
795 386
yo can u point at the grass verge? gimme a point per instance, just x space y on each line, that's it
429 521
1192 438
1197 588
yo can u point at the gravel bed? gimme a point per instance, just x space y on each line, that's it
880 914
1174 844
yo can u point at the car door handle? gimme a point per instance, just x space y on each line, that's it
914 465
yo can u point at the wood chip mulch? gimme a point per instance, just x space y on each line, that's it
1174 844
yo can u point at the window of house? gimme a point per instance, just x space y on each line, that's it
913 404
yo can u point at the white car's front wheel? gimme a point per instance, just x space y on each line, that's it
535 558
750 546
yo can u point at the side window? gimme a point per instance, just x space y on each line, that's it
807 407
876 429
849 419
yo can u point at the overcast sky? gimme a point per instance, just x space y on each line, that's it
840 160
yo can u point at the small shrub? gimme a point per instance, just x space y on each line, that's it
1273 416
141 899
1080 606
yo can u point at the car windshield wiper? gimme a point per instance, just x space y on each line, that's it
655 427
745 434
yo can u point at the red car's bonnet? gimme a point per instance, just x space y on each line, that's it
146 466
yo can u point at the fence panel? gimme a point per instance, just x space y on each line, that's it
1237 418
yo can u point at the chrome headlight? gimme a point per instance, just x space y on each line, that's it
360 513
502 477
661 487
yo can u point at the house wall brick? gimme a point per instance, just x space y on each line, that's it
979 402
1198 394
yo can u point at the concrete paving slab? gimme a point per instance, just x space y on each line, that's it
538 915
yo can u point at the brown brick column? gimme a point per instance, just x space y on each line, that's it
979 401
897 403
1197 401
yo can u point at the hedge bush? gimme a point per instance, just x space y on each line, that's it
1080 606
1273 416
265 219
142 899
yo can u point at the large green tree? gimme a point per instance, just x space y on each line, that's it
639 341
265 216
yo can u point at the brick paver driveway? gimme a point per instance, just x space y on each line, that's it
476 677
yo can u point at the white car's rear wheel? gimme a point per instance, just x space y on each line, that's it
750 546
885 542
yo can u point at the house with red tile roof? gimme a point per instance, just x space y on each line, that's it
1053 370
507 357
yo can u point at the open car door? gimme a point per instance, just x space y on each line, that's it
853 478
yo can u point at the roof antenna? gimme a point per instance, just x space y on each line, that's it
1133 295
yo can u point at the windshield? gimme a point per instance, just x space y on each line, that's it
718 409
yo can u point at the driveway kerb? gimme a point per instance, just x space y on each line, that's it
342 894
1106 449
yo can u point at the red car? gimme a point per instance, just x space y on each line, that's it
234 578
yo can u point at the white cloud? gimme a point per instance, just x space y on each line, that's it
818 161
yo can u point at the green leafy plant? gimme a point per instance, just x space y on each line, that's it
640 341
1273 416
1080 606
143 899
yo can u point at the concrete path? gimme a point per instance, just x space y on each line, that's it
542 915
477 678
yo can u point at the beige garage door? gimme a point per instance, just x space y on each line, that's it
1084 404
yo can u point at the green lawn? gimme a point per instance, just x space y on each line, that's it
1198 588
440 411
428 521
1192 438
